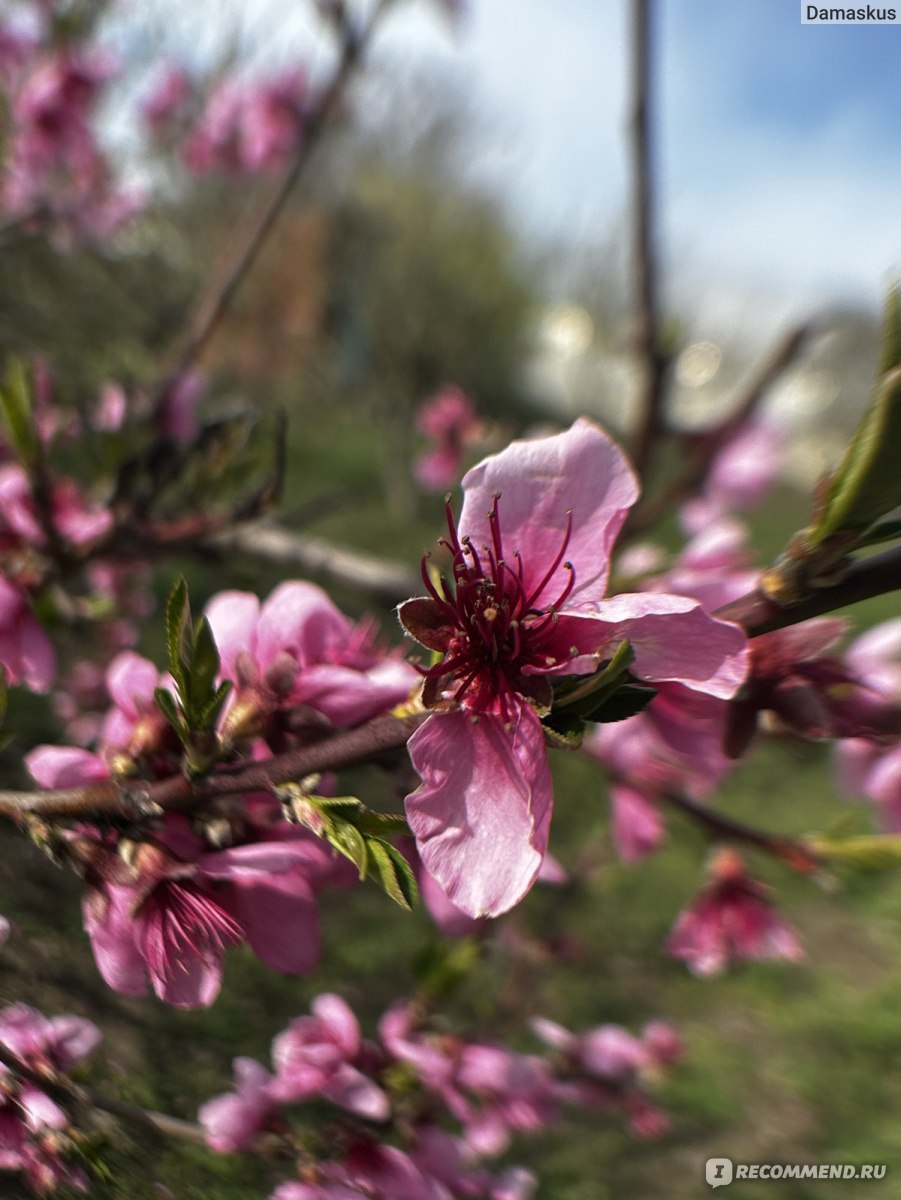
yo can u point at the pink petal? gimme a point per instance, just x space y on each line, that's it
233 617
301 619
339 1021
279 918
539 481
673 638
638 827
131 681
64 766
482 813
112 935
348 697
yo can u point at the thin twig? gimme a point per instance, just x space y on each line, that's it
219 297
862 580
792 851
177 794
265 542
61 1087
647 334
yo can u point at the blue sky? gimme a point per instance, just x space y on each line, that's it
779 145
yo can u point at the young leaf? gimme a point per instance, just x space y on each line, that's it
891 331
348 840
167 705
391 871
178 619
203 669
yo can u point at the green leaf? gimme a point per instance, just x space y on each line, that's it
178 620
884 531
563 729
16 406
343 806
891 331
203 669
391 871
625 702
348 840
167 705
382 824
209 715
867 483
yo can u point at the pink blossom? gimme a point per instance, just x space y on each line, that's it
732 918
233 1121
178 409
298 649
525 608
26 653
315 1056
175 922
743 472
247 128
448 419
167 99
72 519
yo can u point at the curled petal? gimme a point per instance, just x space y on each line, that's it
233 618
675 639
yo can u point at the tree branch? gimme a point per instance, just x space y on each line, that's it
863 579
219 296
647 333
61 1087
129 801
792 851
387 580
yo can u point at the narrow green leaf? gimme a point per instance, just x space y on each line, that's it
344 806
391 871
867 482
16 407
167 705
204 667
209 716
891 331
178 619
625 702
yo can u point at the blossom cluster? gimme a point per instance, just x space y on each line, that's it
34 1129
431 1108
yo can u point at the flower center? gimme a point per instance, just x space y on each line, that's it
499 625
184 924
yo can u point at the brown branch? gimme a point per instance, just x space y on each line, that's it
647 333
792 851
265 542
862 580
61 1087
178 793
219 296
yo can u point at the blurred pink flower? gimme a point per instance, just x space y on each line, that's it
731 919
448 419
26 653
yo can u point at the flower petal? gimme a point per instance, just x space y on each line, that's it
674 638
233 618
482 813
539 482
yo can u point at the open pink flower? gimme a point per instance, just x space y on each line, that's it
298 648
530 565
